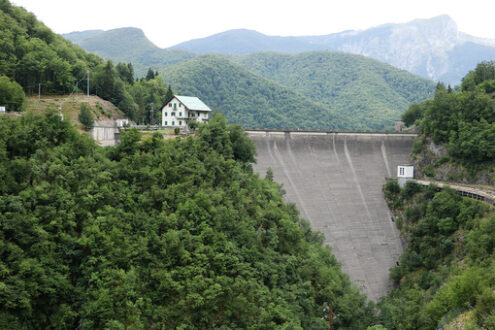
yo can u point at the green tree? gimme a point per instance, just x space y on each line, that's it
86 117
150 74
11 94
169 93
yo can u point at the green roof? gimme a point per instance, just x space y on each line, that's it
192 103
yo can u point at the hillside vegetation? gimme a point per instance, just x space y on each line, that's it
447 273
370 92
37 59
156 234
460 125
128 45
71 106
248 99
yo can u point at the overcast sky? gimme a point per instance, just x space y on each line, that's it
169 22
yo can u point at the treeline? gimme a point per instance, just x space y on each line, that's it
249 99
447 272
35 58
156 233
373 94
461 119
140 100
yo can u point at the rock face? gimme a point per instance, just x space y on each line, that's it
336 180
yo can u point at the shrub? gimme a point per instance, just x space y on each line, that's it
11 94
86 117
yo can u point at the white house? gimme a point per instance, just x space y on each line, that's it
404 172
178 111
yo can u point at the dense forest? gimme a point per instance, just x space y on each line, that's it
447 273
156 234
36 59
251 100
372 93
461 121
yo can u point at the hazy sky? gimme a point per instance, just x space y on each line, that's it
170 22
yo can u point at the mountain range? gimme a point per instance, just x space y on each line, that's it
432 48
311 90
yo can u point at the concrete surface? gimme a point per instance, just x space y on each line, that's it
336 180
104 132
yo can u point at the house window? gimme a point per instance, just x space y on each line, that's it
165 114
170 105
175 106
180 114
180 122
401 170
173 123
166 123
172 114
180 105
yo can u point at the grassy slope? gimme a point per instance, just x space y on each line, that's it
249 99
72 105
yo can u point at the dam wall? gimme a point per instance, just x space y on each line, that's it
335 179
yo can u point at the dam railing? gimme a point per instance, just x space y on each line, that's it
465 191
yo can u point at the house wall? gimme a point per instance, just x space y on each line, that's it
174 115
408 171
178 115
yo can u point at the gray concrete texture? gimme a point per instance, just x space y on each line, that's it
335 180
104 132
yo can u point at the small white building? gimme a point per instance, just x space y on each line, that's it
122 122
2 109
178 111
404 173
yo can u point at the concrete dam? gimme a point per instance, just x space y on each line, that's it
335 179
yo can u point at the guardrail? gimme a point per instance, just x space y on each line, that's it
469 192
281 130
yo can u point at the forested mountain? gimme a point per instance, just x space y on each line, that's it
156 234
32 54
33 58
460 126
128 45
249 99
432 48
371 92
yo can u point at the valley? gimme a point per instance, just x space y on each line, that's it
245 181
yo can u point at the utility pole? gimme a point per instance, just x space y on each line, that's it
152 113
330 318
39 92
87 88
